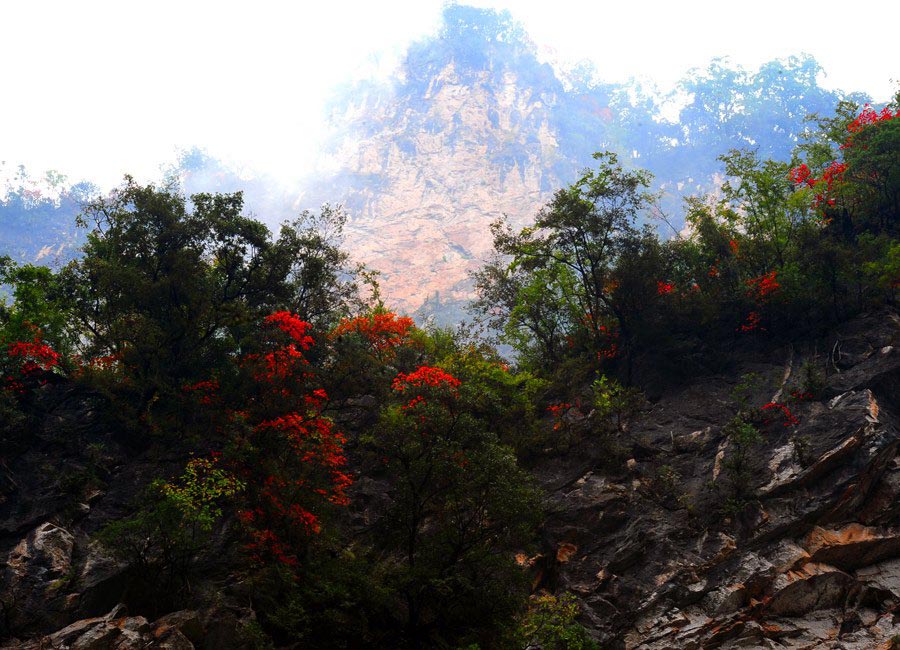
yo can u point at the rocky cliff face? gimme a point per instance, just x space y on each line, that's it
467 152
811 561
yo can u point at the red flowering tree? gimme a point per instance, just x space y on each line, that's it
760 290
364 351
865 185
289 453
779 412
28 361
382 332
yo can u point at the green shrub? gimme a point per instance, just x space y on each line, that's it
738 464
551 624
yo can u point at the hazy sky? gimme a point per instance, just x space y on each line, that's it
96 89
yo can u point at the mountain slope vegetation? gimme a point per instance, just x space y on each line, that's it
228 432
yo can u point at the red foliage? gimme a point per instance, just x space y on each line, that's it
789 419
557 411
384 331
760 289
425 376
206 391
282 362
418 400
33 356
763 286
664 288
610 352
802 176
293 326
29 358
294 454
752 323
867 117
834 173
433 382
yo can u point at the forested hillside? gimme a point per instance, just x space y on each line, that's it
218 435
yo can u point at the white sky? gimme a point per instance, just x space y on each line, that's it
96 89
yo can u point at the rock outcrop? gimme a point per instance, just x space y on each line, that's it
117 631
812 560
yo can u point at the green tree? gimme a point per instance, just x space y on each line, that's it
460 508
558 281
551 624
171 288
38 300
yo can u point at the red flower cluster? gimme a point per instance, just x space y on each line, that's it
315 440
763 286
33 355
293 326
664 288
752 323
281 363
608 353
802 176
425 376
299 454
418 400
612 350
801 396
789 419
264 542
733 245
834 173
206 391
557 411
30 357
867 117
383 331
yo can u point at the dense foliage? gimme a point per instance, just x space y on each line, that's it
785 249
245 357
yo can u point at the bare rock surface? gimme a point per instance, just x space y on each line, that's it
812 560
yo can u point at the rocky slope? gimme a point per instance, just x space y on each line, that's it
813 561
636 527
59 587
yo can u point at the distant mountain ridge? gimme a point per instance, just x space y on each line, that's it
476 126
